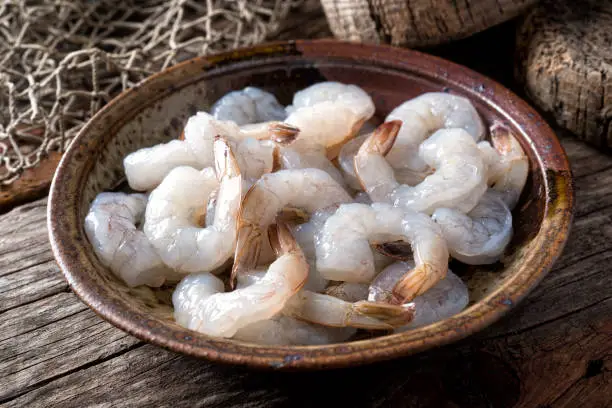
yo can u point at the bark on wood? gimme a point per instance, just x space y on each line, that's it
554 349
417 23
564 61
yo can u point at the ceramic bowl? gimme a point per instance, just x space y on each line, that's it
156 110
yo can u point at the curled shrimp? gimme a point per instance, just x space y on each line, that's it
308 189
146 168
480 236
344 252
330 311
247 106
110 226
424 115
173 217
328 114
508 165
222 314
460 178
291 158
445 299
346 161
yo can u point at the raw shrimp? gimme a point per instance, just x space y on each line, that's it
445 299
220 314
480 236
459 181
146 168
172 217
348 291
110 225
328 114
424 115
248 105
346 160
508 165
351 96
344 252
315 158
330 311
284 330
307 189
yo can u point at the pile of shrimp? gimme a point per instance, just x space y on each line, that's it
276 224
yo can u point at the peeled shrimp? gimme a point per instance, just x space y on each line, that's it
351 96
445 299
172 223
480 236
308 189
346 160
316 158
146 168
344 252
328 114
110 226
248 105
421 117
215 313
459 181
508 165
330 311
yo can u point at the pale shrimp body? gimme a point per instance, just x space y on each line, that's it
291 158
222 314
307 189
330 311
248 105
424 115
344 250
110 226
348 95
348 291
445 299
480 236
460 178
346 160
173 224
508 165
146 168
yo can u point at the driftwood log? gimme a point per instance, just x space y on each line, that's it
564 61
417 23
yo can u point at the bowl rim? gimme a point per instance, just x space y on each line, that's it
559 196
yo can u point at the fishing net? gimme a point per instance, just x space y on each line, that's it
61 61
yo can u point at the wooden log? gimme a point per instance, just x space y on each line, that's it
417 23
564 62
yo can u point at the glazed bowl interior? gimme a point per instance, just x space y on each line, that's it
156 111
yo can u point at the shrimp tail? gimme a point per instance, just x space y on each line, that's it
416 282
399 250
248 249
382 139
226 164
392 315
282 133
282 240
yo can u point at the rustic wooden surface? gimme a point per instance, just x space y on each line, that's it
553 350
564 61
417 23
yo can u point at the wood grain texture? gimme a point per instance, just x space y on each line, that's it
564 62
553 350
417 23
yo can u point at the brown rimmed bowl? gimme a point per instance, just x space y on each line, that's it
156 110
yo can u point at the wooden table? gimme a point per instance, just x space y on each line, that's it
553 350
